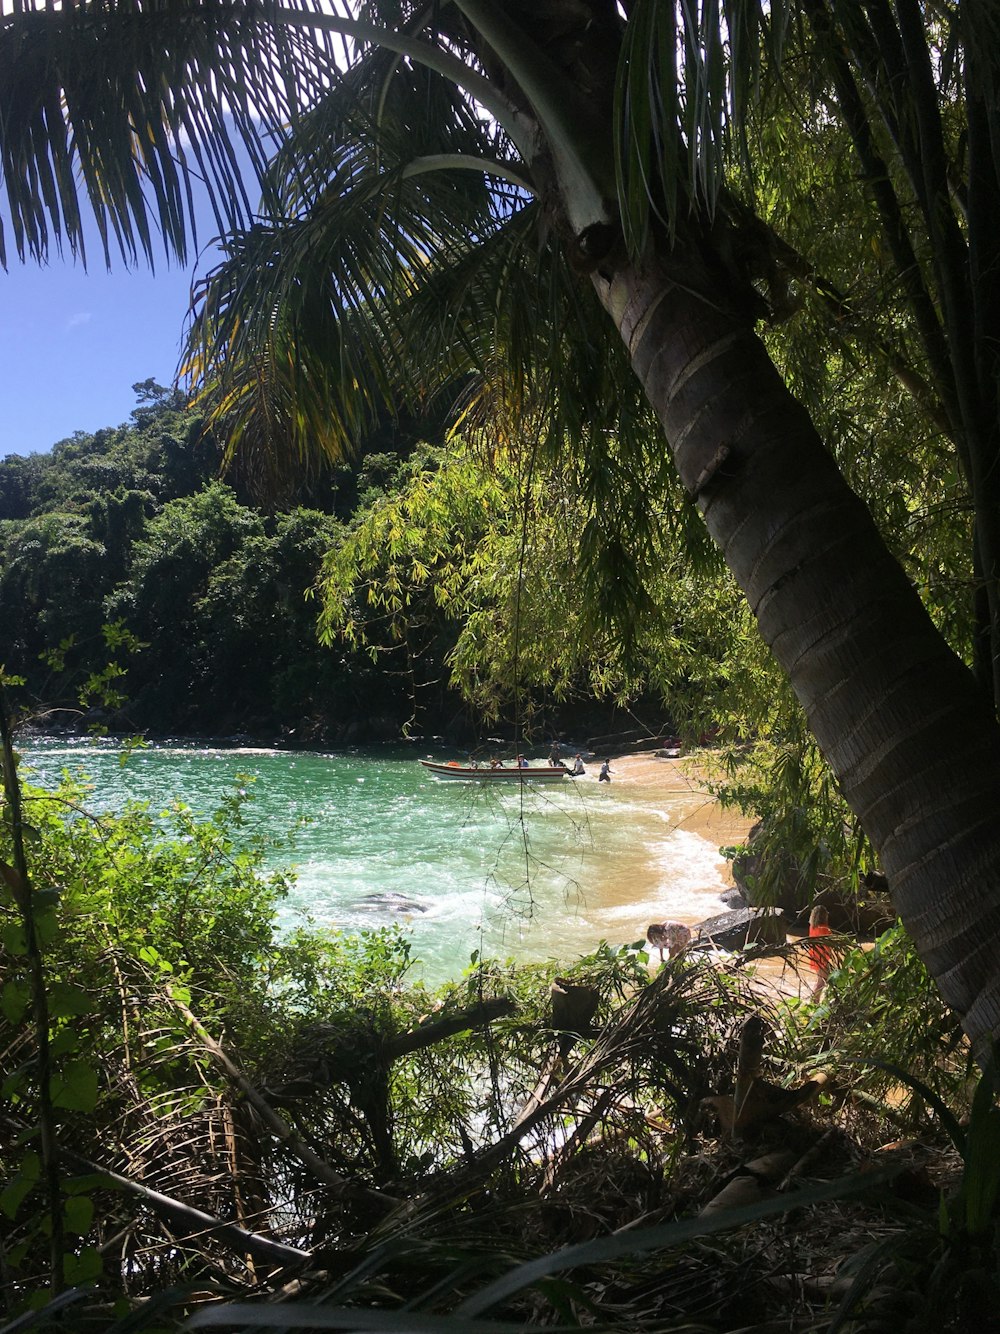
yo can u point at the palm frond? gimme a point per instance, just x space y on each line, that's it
297 332
686 78
135 105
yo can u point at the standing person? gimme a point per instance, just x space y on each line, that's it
820 956
605 775
555 757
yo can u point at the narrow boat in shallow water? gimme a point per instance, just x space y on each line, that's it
539 773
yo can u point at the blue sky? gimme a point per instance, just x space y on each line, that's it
72 344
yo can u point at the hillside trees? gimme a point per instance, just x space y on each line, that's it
124 528
374 268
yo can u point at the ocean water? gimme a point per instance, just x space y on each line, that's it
374 840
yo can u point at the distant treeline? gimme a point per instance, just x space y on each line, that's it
142 592
129 569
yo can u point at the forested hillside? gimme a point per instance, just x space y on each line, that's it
148 583
136 583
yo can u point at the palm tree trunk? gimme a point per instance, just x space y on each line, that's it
899 718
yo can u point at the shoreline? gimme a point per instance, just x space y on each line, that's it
643 848
672 777
775 978
671 870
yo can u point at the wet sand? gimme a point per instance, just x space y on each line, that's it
670 868
679 787
679 780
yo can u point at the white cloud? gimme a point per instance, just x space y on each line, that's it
75 321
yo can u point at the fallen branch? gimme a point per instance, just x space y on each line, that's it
425 1036
278 1127
194 1221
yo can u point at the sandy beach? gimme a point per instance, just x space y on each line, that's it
679 778
669 867
678 787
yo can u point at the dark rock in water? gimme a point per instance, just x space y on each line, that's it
734 898
667 753
742 926
389 902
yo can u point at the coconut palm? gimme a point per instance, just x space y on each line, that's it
491 187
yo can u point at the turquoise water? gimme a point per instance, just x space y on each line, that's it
375 840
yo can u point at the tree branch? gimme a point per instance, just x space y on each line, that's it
194 1221
280 1128
476 1017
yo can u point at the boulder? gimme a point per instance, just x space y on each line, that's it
742 926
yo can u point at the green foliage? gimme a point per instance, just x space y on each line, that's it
806 839
471 558
159 945
868 1016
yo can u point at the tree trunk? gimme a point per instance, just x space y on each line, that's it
899 718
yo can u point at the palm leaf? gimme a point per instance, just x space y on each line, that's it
144 102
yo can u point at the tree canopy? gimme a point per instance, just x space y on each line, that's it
609 165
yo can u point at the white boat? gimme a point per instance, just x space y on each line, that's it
539 773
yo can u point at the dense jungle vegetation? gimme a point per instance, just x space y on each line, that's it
140 575
133 576
698 309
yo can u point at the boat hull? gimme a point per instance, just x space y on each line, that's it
463 774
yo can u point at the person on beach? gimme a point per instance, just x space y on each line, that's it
674 937
820 956
605 775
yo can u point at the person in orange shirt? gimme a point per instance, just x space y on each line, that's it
820 956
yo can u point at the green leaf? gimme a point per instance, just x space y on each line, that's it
79 1214
65 1041
981 1178
75 1087
26 1178
46 925
67 1001
89 1181
14 1000
15 940
83 1268
13 1083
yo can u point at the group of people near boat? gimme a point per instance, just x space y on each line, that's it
577 770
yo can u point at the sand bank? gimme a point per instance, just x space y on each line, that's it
679 786
669 868
680 782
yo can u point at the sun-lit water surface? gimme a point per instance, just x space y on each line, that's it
375 840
